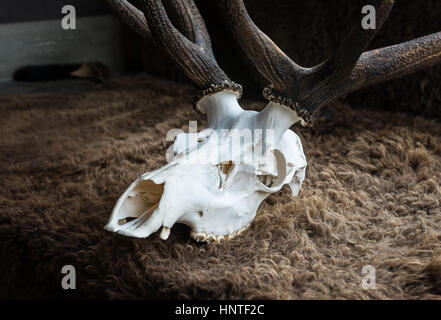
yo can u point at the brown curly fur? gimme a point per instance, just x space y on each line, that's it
371 196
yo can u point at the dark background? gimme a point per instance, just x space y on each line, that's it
308 31
31 34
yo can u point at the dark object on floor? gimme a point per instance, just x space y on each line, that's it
371 197
90 70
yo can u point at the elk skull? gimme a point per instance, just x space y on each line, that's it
218 177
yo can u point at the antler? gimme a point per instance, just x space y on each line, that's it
307 89
131 16
191 50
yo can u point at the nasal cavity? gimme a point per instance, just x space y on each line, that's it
143 199
224 169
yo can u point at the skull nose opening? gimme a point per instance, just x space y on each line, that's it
137 205
224 169
272 173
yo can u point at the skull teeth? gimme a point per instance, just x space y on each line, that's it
164 233
214 238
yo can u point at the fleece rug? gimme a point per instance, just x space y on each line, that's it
371 197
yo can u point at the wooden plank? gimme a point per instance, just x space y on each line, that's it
97 38
31 10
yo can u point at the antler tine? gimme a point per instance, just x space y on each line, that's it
188 20
328 80
193 60
393 62
350 69
271 62
190 46
307 89
184 14
131 16
352 47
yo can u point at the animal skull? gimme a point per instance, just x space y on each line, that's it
208 187
218 177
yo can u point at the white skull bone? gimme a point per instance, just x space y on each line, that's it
218 177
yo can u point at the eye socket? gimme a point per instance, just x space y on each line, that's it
272 177
267 180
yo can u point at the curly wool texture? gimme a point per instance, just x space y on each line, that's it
371 196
